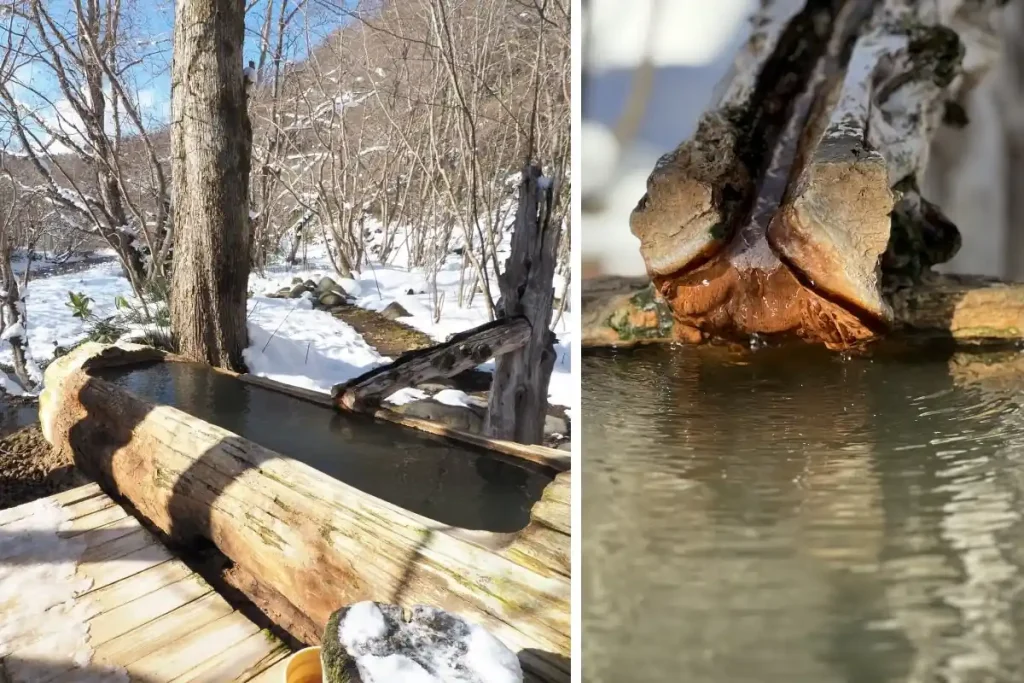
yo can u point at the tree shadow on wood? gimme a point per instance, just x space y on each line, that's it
182 523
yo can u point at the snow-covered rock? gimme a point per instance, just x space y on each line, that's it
382 644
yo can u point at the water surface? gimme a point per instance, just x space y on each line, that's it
790 515
448 482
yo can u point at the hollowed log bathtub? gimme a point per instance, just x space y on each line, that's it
312 539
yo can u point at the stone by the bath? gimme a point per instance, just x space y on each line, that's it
297 291
554 424
326 284
330 299
310 284
395 310
296 280
463 418
370 642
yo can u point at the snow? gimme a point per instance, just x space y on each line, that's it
363 622
49 321
337 353
292 343
38 585
452 397
288 340
433 646
9 386
12 331
407 395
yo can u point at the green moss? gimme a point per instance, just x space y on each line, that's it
338 666
632 321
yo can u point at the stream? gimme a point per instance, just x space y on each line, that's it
793 515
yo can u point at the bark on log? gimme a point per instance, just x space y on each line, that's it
518 402
211 147
318 542
971 310
463 351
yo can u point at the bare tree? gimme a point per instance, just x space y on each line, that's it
88 144
17 226
211 139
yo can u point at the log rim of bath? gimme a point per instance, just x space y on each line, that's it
550 458
967 310
313 540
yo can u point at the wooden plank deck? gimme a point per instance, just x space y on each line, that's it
146 613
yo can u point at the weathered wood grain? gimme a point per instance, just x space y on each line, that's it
316 541
464 351
156 621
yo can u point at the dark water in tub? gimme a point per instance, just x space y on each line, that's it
431 476
792 516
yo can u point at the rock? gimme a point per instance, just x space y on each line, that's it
567 446
326 284
555 425
463 418
411 292
395 310
296 280
371 641
310 284
297 291
330 300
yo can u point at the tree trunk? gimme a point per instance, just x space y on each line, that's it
211 139
11 305
519 395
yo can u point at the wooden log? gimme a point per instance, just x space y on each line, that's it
518 402
625 311
463 351
316 541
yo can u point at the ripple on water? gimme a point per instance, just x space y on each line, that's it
789 515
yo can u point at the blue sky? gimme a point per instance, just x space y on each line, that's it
151 30
157 78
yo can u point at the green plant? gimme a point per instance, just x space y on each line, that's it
80 305
106 331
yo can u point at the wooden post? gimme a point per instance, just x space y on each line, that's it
519 394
